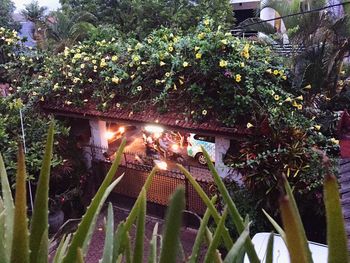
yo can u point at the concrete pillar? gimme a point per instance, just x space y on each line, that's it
221 146
98 139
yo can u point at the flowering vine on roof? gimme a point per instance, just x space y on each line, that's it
208 74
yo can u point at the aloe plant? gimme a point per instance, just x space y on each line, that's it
21 243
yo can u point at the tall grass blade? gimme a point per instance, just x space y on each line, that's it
9 210
235 252
214 213
83 234
172 227
20 241
107 256
336 235
127 248
236 217
152 258
269 249
276 226
200 234
297 224
140 229
209 257
39 222
3 252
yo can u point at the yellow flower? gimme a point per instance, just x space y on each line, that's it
284 77
158 81
82 66
206 22
103 63
118 105
162 63
136 58
276 97
288 99
201 36
132 76
299 97
181 81
70 74
198 56
249 125
224 41
307 86
167 74
334 141
275 72
149 41
115 80
90 80
139 88
171 48
114 58
185 64
73 61
238 77
68 102
223 63
317 127
86 100
196 48
242 64
269 71
204 112
94 61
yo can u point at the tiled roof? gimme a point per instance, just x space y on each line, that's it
172 120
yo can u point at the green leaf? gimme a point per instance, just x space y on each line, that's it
296 245
62 248
43 248
295 234
236 217
209 257
80 256
214 213
20 241
118 240
109 239
39 222
209 239
152 258
140 229
127 247
200 234
269 249
276 226
83 234
172 227
235 251
9 208
336 235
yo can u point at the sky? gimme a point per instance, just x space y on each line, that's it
50 4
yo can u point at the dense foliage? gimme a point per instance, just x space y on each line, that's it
139 18
7 8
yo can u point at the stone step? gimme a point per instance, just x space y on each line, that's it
343 161
344 168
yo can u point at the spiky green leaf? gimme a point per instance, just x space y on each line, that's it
109 239
83 234
39 222
172 227
140 228
20 241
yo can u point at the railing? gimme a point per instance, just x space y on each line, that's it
136 168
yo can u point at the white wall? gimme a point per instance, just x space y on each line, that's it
98 131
